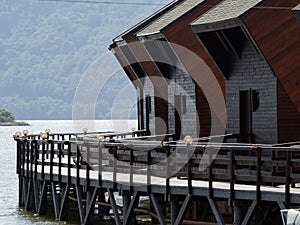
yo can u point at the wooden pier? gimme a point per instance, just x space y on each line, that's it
244 183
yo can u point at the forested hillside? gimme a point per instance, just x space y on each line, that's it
46 46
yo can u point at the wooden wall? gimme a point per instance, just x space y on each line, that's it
288 118
277 33
181 33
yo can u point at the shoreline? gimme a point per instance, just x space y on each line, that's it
15 123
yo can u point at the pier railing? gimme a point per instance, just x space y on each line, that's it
135 162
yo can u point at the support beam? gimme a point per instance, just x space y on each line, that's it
237 214
126 200
216 211
90 206
281 205
174 209
36 195
80 203
249 213
42 208
133 204
29 201
55 200
63 213
114 206
158 210
183 210
21 199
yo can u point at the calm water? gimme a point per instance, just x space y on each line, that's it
9 212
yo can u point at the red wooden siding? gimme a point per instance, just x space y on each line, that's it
277 33
288 118
181 34
127 68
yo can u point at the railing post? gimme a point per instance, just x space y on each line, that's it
27 157
149 171
31 158
258 174
189 168
77 165
51 158
43 160
22 157
100 164
18 169
168 153
88 156
69 162
287 177
60 153
131 170
36 156
210 176
232 177
115 154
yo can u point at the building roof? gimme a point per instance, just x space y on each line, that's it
296 11
297 8
169 17
224 15
148 19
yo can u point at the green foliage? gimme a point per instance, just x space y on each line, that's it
7 116
45 48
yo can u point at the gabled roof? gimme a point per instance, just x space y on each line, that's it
224 15
169 17
147 20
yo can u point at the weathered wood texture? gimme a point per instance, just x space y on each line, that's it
288 118
277 33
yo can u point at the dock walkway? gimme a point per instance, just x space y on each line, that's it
168 172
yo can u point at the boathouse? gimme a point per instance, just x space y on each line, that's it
258 79
228 66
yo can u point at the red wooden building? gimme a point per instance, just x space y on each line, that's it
251 47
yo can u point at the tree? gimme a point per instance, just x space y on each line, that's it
7 116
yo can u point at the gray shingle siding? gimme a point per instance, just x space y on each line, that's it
182 84
149 91
251 71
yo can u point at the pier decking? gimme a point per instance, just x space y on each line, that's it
85 166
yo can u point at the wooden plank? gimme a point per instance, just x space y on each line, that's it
158 210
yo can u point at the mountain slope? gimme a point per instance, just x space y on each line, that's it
45 48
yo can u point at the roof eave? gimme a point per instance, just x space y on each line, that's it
150 36
220 25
